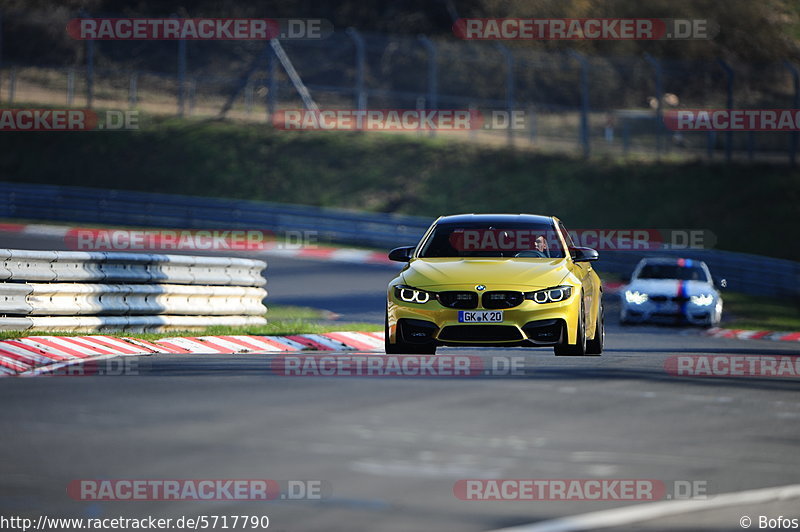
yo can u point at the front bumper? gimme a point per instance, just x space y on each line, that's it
669 313
528 324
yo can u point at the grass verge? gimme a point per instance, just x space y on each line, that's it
742 311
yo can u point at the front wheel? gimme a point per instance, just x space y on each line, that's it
595 345
579 348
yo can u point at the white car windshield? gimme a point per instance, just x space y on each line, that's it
687 272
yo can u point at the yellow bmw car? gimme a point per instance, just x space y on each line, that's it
495 280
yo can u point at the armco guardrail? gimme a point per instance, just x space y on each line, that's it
750 274
129 208
67 290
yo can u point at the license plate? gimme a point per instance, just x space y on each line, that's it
667 308
480 316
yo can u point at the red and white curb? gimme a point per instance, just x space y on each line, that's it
270 249
35 355
745 334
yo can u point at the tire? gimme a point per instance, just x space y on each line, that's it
579 348
404 348
595 345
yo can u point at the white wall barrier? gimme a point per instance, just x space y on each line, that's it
119 267
79 291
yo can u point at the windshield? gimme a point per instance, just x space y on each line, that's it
487 239
673 271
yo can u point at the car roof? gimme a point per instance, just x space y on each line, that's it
496 218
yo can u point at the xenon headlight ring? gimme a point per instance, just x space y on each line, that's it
409 294
554 294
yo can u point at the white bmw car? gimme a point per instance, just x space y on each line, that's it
667 290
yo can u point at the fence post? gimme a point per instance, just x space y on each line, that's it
509 57
248 98
659 80
420 107
70 86
711 141
361 60
272 90
12 84
728 134
473 112
192 95
584 100
433 72
133 90
1 55
626 137
89 67
181 74
795 105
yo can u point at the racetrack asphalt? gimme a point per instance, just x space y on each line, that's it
391 449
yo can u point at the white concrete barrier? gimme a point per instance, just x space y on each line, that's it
126 323
120 267
65 299
84 291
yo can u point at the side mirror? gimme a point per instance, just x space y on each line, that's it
402 254
584 254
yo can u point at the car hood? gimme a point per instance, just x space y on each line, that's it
495 273
670 287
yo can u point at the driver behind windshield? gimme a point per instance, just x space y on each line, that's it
513 240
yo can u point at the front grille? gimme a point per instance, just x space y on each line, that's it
676 299
470 333
456 299
502 299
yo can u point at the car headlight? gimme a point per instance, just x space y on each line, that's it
703 300
409 294
550 295
635 297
